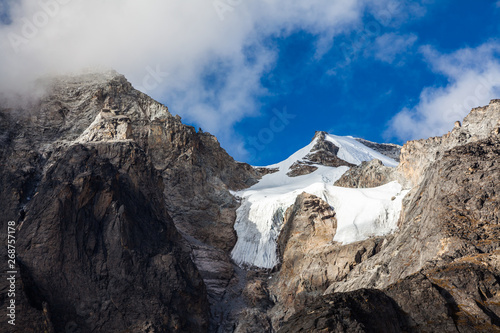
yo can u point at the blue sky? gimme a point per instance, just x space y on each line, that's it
352 90
264 75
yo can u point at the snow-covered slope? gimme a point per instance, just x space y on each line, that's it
361 213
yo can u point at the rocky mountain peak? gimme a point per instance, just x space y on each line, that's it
323 152
479 124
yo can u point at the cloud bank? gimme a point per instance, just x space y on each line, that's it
204 59
473 78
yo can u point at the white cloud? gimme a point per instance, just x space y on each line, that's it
473 79
186 39
388 46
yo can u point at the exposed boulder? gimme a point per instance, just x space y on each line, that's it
368 174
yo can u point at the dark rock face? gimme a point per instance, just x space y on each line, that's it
301 168
101 251
325 152
357 311
367 174
459 297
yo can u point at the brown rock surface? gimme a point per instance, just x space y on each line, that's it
357 311
311 261
440 269
324 152
453 213
416 156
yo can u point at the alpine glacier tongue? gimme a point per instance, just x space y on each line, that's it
361 213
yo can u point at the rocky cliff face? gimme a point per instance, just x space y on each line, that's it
311 261
125 222
416 156
115 198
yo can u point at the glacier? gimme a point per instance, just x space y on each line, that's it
361 213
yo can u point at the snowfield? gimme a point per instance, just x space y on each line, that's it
361 213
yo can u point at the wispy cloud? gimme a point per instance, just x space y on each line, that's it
473 79
388 46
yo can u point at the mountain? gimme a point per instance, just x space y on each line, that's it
314 169
115 198
128 220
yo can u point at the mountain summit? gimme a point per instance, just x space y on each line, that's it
314 169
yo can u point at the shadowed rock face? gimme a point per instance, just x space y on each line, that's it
460 297
101 250
192 173
358 311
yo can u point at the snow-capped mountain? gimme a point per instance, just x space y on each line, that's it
117 202
361 213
